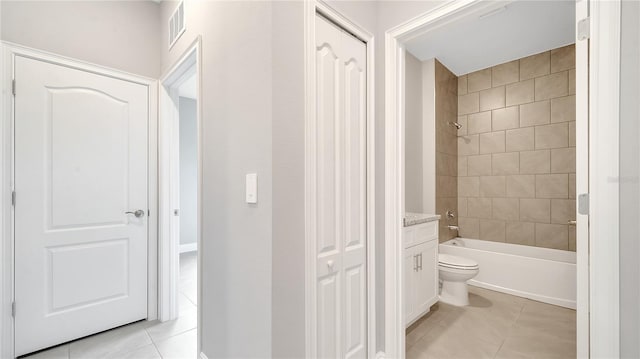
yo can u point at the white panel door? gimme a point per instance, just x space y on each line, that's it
80 164
341 193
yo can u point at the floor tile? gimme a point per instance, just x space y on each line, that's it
146 352
493 325
186 321
181 346
104 345
59 352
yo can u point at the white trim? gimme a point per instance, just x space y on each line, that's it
582 186
9 51
604 189
311 7
188 247
169 249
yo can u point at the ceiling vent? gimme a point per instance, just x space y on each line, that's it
176 24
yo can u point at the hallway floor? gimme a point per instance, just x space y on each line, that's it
175 339
494 325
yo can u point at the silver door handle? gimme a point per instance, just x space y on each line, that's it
420 265
138 213
415 263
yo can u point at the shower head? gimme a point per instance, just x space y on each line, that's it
455 124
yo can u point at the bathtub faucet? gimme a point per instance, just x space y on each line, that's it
453 228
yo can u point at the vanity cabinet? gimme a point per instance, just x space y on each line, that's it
420 270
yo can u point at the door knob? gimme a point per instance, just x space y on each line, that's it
138 213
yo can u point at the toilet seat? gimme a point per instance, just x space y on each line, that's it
455 262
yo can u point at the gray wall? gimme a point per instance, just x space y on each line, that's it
236 139
413 135
118 34
188 170
629 183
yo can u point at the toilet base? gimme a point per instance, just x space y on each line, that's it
454 293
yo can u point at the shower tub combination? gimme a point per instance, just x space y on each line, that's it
542 274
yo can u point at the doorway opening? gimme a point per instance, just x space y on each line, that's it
468 171
179 193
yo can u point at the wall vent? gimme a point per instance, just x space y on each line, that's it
176 24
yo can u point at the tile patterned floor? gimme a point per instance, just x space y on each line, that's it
494 325
143 340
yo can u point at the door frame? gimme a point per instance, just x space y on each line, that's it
169 185
598 280
8 53
311 8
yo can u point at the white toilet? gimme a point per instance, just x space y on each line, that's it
454 273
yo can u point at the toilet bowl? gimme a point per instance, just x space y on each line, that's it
454 272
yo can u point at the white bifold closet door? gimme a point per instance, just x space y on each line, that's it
80 165
341 193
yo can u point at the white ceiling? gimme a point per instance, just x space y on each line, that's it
188 88
523 28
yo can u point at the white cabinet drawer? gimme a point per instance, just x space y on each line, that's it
420 233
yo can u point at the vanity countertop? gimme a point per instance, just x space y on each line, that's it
411 219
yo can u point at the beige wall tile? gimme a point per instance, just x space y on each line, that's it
468 145
469 227
537 113
492 142
492 98
492 230
463 121
479 165
521 139
563 109
479 207
521 233
468 186
552 136
572 238
493 186
535 162
563 210
535 210
535 65
563 58
505 118
462 207
554 236
572 185
462 85
521 186
552 186
462 166
506 209
563 160
479 122
446 186
505 163
506 73
572 82
468 103
520 92
479 80
550 86
572 134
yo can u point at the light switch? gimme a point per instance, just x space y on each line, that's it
252 188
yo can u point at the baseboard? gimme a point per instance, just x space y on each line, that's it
202 356
189 247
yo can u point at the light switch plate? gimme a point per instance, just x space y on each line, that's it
252 188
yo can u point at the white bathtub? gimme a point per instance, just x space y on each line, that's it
545 275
